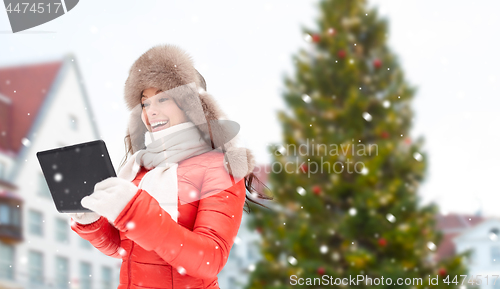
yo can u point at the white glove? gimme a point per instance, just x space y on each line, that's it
110 197
84 218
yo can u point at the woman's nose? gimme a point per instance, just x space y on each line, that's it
152 109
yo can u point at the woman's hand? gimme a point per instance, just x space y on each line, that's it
84 218
110 197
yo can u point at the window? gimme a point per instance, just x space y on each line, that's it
85 275
15 214
495 254
35 223
6 261
35 260
62 230
9 215
472 256
106 278
232 282
73 122
85 244
4 214
3 173
62 273
250 252
43 189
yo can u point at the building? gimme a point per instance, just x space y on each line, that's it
481 236
242 258
43 106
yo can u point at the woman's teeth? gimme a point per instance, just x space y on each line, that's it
157 124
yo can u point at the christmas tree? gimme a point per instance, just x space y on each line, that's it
345 178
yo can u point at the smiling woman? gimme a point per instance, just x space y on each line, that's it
159 111
174 210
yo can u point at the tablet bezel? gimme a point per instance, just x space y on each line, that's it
99 144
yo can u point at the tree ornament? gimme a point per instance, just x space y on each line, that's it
317 190
382 242
442 272
377 63
259 229
341 53
316 38
407 140
321 271
303 168
384 134
331 31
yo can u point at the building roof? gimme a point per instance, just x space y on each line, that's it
452 225
23 90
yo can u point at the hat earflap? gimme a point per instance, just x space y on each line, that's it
136 129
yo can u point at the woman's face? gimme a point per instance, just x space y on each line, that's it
159 111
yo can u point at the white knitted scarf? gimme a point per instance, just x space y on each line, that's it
164 150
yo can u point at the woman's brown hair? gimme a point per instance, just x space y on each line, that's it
250 180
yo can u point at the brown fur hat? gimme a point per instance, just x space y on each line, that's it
169 68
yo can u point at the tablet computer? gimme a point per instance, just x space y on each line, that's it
71 173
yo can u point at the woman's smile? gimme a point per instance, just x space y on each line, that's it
159 125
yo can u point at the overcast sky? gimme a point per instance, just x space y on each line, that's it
448 49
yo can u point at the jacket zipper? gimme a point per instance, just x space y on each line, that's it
172 274
129 261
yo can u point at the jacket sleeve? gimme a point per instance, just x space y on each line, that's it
102 235
203 252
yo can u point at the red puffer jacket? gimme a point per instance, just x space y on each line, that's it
156 251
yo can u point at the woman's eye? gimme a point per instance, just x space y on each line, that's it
144 104
163 99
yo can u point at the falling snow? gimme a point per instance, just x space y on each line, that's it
391 218
58 177
306 98
26 142
181 270
367 116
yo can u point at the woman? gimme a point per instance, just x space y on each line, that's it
175 208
